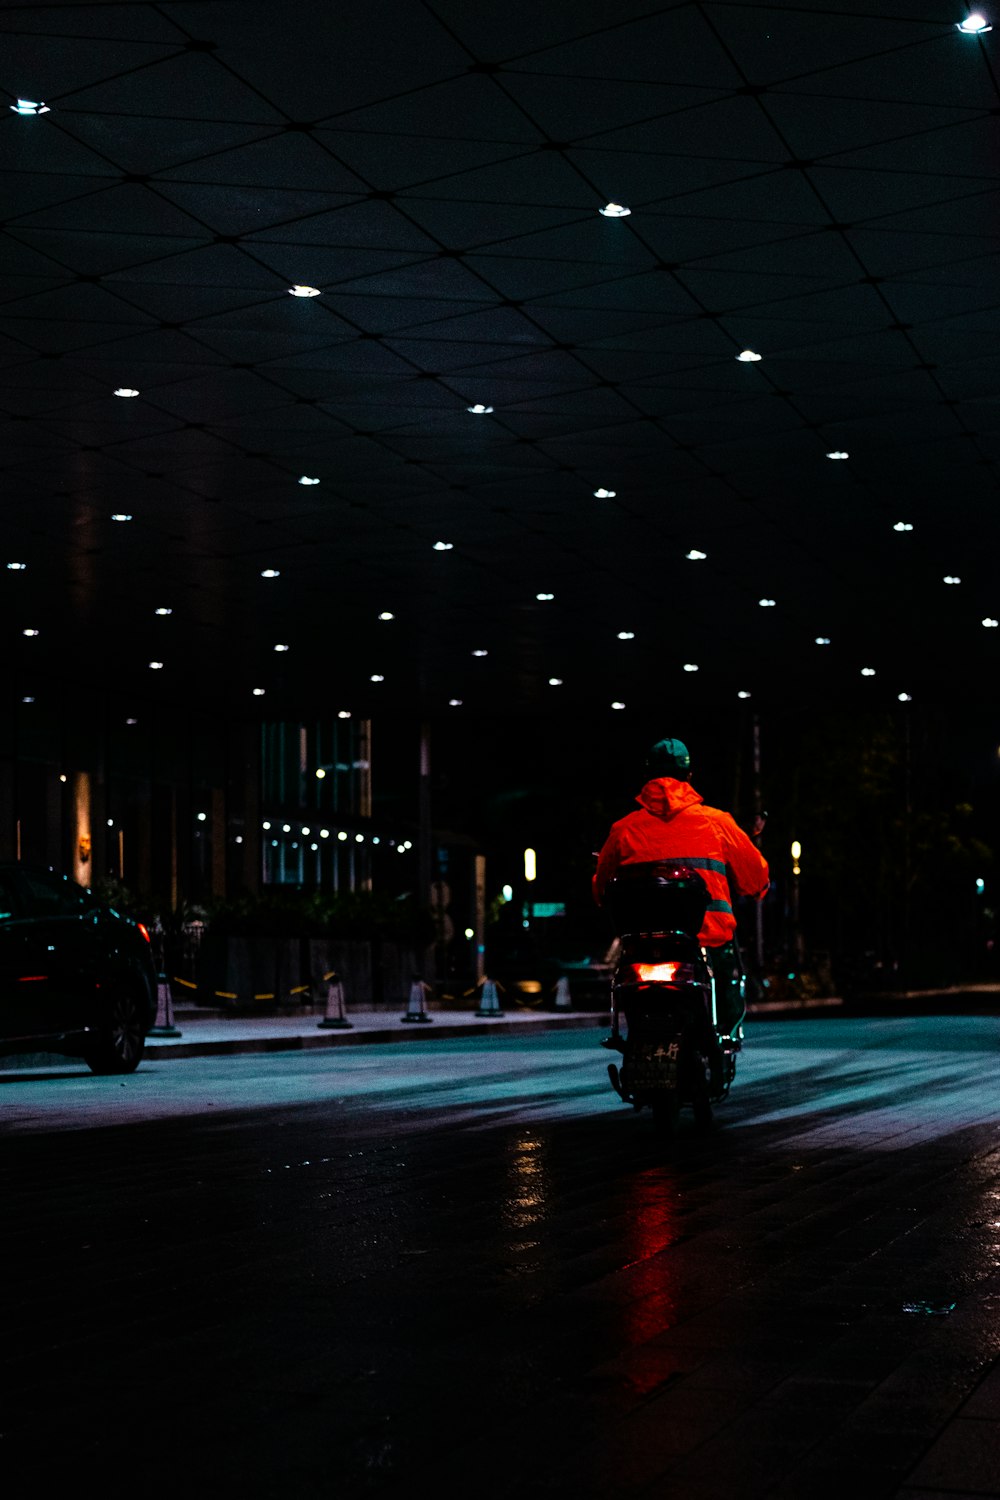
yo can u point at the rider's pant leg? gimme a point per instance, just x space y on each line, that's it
728 972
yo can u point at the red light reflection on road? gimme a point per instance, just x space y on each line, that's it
652 1204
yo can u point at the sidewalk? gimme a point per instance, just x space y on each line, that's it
207 1033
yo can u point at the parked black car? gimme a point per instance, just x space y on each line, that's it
76 977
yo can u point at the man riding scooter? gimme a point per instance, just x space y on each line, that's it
673 822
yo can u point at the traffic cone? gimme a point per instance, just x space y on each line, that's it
418 1001
164 1010
335 1016
564 999
489 1000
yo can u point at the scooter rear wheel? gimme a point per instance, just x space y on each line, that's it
666 1112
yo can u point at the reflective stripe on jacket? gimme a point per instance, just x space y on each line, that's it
673 822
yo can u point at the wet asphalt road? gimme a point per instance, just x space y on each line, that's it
463 1267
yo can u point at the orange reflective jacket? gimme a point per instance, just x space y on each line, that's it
674 823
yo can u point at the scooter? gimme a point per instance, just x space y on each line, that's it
664 1019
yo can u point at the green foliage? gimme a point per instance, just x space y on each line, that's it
349 914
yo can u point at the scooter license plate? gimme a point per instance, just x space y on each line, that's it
654 1066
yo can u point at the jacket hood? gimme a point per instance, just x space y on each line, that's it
664 797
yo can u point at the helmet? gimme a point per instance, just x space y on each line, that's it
669 758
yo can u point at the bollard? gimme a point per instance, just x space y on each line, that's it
335 1016
564 999
164 1010
418 1001
489 1000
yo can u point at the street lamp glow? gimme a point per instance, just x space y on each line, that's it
614 211
29 107
126 391
508 893
695 556
530 865
905 697
973 25
838 453
742 693
603 494
749 357
308 479
303 291
902 526
479 410
320 773
443 546
990 623
796 850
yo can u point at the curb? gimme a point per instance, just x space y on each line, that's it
299 1043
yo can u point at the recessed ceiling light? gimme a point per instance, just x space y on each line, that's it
555 682
902 526
376 677
163 609
17 567
973 25
951 578
480 652
990 623
695 556
616 704
320 773
259 692
156 666
690 666
822 640
29 631
868 671
29 107
281 646
479 410
544 598
324 833
126 391
766 603
443 546
626 635
270 573
286 827
615 211
742 693
387 614
838 453
454 703
307 479
121 515
342 836
749 357
303 291
905 697
605 494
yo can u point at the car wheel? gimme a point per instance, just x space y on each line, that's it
116 1042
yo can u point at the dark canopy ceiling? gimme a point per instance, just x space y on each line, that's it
817 183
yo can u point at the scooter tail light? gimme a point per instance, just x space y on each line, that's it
145 931
656 973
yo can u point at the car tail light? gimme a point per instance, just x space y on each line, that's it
658 973
145 932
